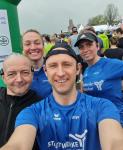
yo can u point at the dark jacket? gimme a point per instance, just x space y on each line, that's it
10 106
114 53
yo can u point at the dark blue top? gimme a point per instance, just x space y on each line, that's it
40 84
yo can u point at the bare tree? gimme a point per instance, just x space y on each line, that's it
111 14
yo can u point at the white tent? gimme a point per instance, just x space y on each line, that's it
80 28
100 28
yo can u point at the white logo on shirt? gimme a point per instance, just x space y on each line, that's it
78 144
44 80
75 117
57 117
96 73
80 138
98 84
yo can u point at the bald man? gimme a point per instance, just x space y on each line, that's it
17 74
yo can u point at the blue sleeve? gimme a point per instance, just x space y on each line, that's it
27 116
107 110
116 68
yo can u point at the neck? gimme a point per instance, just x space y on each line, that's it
11 93
65 99
37 64
92 62
113 46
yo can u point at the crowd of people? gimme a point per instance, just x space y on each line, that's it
43 103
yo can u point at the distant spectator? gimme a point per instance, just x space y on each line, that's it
73 39
119 32
114 51
105 40
47 45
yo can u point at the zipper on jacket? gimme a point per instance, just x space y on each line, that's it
8 122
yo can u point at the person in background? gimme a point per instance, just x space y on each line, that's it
62 38
47 44
67 119
103 76
33 48
114 51
72 40
105 40
17 73
119 32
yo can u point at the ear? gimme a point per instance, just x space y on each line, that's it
45 70
2 75
1 72
98 46
79 68
32 69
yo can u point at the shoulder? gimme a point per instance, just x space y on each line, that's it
92 101
32 94
110 61
2 89
3 92
33 113
102 108
39 106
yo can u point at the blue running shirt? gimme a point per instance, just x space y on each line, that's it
72 127
103 79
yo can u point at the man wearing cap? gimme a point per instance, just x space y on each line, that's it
103 76
67 119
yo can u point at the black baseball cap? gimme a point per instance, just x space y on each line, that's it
68 50
86 36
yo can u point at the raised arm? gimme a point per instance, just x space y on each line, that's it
22 138
111 135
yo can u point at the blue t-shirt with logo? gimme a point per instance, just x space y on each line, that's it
103 79
70 127
40 84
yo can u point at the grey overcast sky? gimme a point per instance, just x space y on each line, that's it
52 16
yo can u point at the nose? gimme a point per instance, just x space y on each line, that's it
32 46
60 71
18 77
84 49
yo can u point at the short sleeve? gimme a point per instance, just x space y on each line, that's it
27 116
107 110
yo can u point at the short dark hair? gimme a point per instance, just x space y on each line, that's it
113 40
119 30
74 29
89 28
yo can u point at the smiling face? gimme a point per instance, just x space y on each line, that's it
33 46
17 75
61 70
88 51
